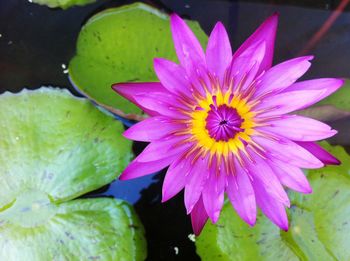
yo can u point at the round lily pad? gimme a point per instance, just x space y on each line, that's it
119 45
64 4
319 224
54 148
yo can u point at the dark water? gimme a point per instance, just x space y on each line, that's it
35 41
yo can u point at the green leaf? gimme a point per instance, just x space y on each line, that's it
54 148
64 4
118 45
86 229
319 224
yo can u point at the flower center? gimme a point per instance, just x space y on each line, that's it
223 122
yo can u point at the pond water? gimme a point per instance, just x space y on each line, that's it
36 44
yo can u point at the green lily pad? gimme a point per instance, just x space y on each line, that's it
118 45
54 148
64 4
319 224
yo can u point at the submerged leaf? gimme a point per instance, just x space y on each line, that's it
319 224
118 45
54 148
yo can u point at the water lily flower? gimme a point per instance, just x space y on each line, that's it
224 122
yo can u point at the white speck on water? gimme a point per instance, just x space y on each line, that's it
64 67
0 35
187 6
9 42
192 237
30 1
176 249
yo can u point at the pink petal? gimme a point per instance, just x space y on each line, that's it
198 217
172 76
175 178
329 85
291 176
151 129
261 173
131 90
241 194
283 75
272 208
195 182
163 148
218 52
244 68
200 81
287 102
265 33
300 128
165 103
138 169
288 151
188 49
319 152
213 195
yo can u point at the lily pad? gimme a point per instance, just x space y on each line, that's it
118 45
319 224
64 4
54 148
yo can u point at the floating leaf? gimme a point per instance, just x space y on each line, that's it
319 224
64 4
54 148
118 45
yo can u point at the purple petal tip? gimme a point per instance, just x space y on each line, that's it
122 177
174 17
276 14
220 25
117 87
215 217
114 86
251 223
339 82
310 57
165 197
332 161
308 191
273 19
335 162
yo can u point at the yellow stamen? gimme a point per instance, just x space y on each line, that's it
222 148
